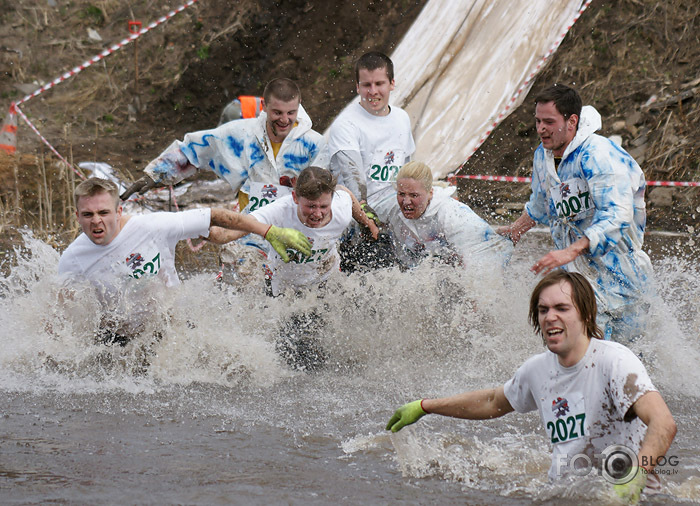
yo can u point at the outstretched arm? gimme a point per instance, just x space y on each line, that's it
359 215
516 230
347 165
475 405
558 257
228 225
661 429
242 223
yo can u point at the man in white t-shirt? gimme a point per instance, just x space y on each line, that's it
114 249
321 211
370 140
597 404
368 144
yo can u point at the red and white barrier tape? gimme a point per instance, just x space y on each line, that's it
107 52
502 115
512 179
79 68
43 139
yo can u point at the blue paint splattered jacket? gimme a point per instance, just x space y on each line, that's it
448 228
240 152
597 174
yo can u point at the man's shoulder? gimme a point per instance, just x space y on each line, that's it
399 112
342 198
347 117
239 129
79 244
540 359
610 350
310 134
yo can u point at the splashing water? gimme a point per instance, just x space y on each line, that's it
205 377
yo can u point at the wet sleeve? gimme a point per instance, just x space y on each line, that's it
347 167
629 381
517 390
472 237
181 225
612 191
536 207
171 166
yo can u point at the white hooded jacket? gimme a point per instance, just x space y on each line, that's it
597 192
240 152
448 227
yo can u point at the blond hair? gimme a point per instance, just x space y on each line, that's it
94 185
418 171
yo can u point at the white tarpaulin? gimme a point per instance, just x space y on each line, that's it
466 64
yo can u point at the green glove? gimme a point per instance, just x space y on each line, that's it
631 490
282 238
370 213
406 415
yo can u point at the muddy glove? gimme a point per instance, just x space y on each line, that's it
282 238
631 490
140 186
370 213
406 415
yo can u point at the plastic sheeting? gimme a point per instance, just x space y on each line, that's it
461 63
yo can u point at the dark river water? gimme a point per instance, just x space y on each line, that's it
210 414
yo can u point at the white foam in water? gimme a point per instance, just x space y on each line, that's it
390 337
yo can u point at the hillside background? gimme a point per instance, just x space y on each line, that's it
637 61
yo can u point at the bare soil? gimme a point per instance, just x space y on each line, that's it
637 61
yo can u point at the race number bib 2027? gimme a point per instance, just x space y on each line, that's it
566 419
262 194
572 199
385 165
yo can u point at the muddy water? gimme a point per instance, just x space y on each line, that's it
210 414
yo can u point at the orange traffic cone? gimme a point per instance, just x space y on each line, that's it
8 132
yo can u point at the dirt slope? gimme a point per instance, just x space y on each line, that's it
620 55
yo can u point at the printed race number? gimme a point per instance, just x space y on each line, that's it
300 258
384 173
256 203
151 267
573 205
565 429
572 198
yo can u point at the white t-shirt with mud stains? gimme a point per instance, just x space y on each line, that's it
305 270
584 407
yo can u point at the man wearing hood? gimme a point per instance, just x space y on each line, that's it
590 192
259 157
428 222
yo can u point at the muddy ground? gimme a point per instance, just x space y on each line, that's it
637 61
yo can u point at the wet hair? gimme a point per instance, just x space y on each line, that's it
93 186
282 89
418 171
566 100
372 61
582 295
314 182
